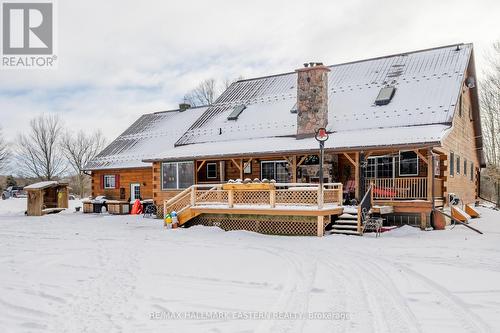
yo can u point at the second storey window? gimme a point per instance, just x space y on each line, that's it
452 164
408 163
109 181
211 170
458 165
177 175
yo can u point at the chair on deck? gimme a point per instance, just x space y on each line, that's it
371 223
349 187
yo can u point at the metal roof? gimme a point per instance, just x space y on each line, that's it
149 134
427 88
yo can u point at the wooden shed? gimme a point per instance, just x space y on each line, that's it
46 198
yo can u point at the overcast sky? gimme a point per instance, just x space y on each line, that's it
119 59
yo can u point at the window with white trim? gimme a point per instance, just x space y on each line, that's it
458 165
109 181
379 167
408 163
177 175
277 170
211 170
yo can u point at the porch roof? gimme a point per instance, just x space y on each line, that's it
413 136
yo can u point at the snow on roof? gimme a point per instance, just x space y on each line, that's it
41 185
427 88
150 133
400 136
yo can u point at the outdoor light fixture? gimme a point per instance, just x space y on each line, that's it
321 136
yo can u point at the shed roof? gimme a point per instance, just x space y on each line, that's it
43 185
427 85
150 133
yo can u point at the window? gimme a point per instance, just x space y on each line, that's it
380 167
177 175
460 107
109 181
237 110
471 171
212 170
458 165
452 164
247 167
277 170
465 167
408 163
385 95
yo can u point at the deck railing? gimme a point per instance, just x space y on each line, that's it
278 194
402 188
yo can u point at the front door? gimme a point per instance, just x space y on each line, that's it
135 191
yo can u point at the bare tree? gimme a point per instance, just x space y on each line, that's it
38 150
207 92
79 149
490 113
204 93
4 152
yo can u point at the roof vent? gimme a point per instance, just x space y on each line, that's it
385 95
237 110
294 108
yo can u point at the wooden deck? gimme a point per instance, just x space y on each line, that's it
267 199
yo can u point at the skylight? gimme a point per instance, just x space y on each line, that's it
237 110
385 95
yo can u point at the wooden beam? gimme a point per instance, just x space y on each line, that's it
356 176
236 164
200 166
302 160
430 176
350 159
241 168
294 169
422 157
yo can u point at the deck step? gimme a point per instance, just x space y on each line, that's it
345 226
353 222
345 232
348 217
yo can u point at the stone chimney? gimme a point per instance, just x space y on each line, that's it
312 99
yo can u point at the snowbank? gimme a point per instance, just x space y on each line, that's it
72 272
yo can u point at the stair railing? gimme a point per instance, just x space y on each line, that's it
365 205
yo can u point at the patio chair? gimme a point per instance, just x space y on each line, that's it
371 223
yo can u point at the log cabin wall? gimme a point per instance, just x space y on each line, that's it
461 142
142 176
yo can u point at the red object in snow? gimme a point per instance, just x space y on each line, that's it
136 208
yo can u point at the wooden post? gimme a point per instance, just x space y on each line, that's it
356 175
320 197
321 228
241 168
230 198
193 196
294 169
430 176
272 197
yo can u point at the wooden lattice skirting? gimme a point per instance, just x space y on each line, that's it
264 224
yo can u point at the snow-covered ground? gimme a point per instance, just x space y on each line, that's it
86 273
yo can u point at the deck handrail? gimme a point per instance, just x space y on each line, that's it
279 194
